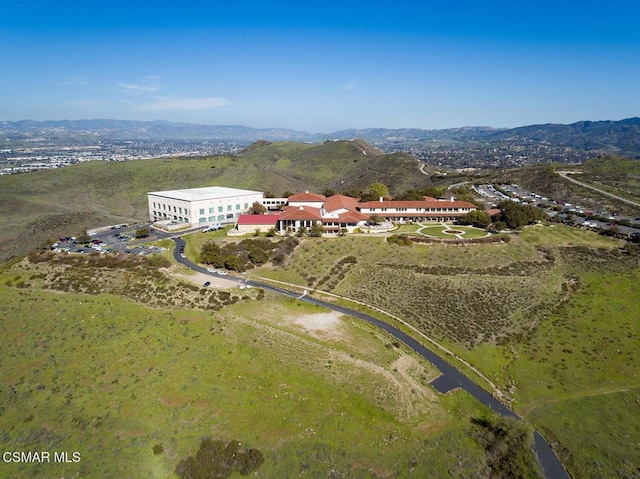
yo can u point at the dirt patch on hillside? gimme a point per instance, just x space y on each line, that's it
201 278
322 325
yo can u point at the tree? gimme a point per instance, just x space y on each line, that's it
142 232
210 253
302 231
328 192
271 232
375 220
287 193
479 219
517 216
257 208
434 191
83 237
498 226
378 190
316 229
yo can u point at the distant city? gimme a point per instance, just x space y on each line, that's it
31 145
43 155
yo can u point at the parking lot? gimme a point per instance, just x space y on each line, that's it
112 239
597 220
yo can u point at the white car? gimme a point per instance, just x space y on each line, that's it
222 273
211 270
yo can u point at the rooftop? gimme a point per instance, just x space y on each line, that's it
207 193
258 220
306 196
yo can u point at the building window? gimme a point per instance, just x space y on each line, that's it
246 205
201 211
180 210
228 207
229 215
220 217
219 209
211 210
175 210
202 220
237 207
212 218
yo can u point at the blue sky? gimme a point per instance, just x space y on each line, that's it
321 66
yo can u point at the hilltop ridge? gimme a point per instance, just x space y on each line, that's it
621 136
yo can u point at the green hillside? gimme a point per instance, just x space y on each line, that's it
45 204
551 318
131 368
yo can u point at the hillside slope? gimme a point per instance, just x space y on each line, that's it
46 204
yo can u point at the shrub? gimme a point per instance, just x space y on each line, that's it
401 240
215 460
507 443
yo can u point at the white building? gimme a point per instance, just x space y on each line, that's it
201 206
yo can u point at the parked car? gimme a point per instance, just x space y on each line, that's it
207 284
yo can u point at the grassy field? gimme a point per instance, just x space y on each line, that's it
113 379
551 317
581 421
620 176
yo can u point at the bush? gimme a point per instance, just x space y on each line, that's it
401 240
507 443
214 460
142 232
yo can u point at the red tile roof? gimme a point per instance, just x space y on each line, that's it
306 196
262 220
299 213
352 217
417 204
421 214
337 202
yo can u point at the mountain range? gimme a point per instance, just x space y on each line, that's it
621 137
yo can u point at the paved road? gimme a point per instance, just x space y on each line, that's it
565 175
450 379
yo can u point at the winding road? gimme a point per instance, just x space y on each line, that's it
450 379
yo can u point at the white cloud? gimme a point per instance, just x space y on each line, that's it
350 87
74 82
179 103
138 88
